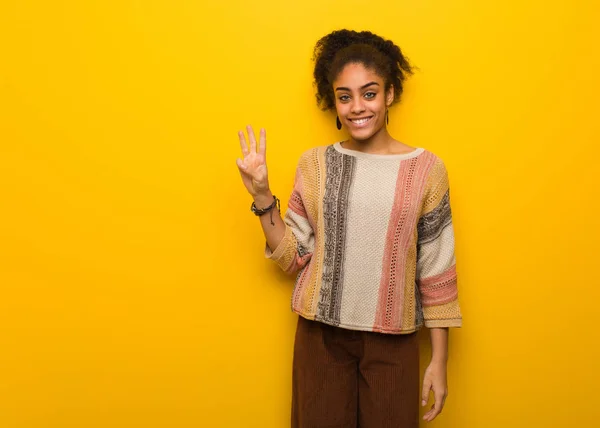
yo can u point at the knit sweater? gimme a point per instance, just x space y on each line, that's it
371 239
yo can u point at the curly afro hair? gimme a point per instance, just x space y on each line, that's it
333 51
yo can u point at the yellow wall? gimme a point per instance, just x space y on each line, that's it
133 289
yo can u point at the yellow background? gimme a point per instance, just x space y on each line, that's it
133 288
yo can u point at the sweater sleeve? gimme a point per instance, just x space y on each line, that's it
296 248
436 262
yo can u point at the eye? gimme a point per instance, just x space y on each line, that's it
370 95
344 98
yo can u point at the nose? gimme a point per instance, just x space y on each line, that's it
357 106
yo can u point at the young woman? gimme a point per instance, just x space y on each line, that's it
368 231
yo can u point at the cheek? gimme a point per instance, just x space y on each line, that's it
341 109
379 104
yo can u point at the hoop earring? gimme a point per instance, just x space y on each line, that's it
338 123
387 117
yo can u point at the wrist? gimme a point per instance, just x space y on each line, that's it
439 359
263 199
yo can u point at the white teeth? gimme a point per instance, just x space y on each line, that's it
360 121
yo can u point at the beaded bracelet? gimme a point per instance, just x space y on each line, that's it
259 212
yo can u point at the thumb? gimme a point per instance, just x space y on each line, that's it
240 164
425 392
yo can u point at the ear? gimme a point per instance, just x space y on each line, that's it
389 97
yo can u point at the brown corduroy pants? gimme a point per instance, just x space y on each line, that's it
354 379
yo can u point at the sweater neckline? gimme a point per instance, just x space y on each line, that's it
338 146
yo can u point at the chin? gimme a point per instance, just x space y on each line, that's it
362 134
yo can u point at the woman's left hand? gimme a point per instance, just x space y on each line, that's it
434 379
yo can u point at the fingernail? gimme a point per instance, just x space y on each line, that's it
423 403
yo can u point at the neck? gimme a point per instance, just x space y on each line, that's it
379 143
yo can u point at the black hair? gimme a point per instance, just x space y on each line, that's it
341 47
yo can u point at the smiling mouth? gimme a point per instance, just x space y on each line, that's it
361 121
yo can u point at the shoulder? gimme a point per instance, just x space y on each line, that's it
308 154
433 156
435 162
310 158
315 151
436 176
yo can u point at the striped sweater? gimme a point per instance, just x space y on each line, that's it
371 239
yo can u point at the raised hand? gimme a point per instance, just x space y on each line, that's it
253 165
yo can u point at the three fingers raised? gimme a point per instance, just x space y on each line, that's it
262 142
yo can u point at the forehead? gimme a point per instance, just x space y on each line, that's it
355 75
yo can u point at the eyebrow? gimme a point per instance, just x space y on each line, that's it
341 88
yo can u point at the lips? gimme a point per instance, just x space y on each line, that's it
360 122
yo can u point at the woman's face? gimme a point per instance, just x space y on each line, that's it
361 101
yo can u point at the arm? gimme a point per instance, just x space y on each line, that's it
436 262
274 233
253 170
296 247
436 279
439 345
289 241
